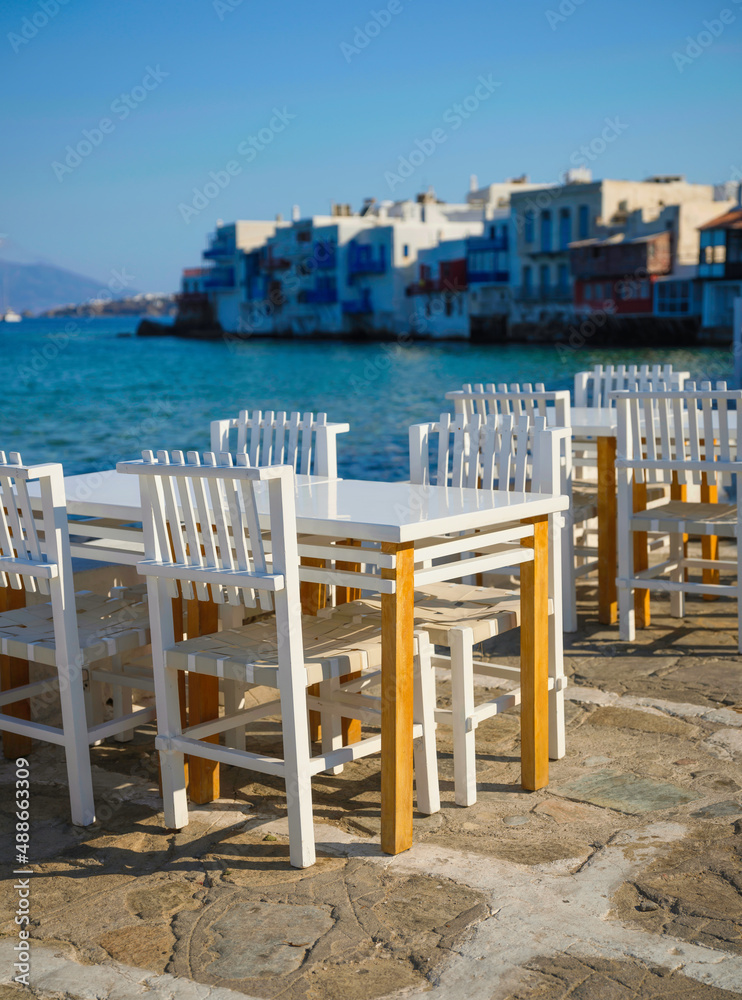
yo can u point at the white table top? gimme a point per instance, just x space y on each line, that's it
602 421
368 511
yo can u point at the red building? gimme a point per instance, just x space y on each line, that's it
617 274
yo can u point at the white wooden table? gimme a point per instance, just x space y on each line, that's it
396 515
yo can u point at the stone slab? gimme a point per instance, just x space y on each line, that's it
626 793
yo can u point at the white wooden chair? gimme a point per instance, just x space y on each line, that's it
305 442
460 616
187 506
682 437
72 634
503 454
580 558
594 388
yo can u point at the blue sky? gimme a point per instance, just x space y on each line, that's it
200 77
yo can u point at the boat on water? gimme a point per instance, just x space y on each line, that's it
10 316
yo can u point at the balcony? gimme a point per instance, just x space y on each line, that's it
319 296
357 307
479 243
489 277
361 259
220 278
219 251
325 256
545 295
270 263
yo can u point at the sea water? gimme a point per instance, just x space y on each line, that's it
88 393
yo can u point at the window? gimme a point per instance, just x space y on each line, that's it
449 304
527 280
674 298
563 278
529 226
583 222
406 250
492 232
546 230
565 228
644 290
544 279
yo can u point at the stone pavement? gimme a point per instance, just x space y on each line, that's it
620 880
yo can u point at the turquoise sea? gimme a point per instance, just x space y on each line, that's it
78 392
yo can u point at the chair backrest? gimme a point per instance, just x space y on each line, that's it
667 436
594 388
306 442
204 524
35 551
518 400
497 453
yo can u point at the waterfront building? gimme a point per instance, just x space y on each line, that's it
228 246
346 274
566 233
720 267
438 304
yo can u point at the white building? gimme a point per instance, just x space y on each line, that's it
227 248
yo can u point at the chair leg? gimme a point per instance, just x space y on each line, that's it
426 758
234 700
462 704
296 771
122 702
77 752
331 725
626 610
569 589
677 597
172 762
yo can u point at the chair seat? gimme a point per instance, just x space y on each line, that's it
106 627
584 504
585 500
679 516
440 607
335 644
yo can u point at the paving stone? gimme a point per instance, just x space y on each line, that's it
625 792
580 978
563 811
644 722
697 886
254 939
597 761
726 744
515 820
719 809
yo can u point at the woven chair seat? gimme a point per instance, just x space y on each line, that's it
335 644
107 627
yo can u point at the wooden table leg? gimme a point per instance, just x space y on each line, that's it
351 728
14 673
203 705
607 548
641 558
313 599
709 543
397 642
534 660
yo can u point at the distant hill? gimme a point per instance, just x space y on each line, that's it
30 283
41 286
